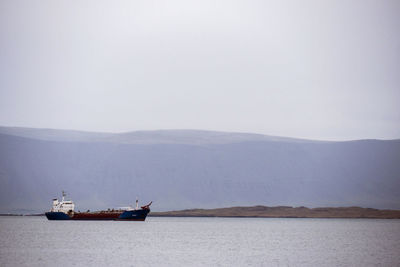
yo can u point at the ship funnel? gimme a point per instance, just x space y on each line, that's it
137 203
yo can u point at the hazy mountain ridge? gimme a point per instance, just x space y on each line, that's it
180 176
189 137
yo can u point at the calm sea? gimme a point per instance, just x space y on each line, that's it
35 241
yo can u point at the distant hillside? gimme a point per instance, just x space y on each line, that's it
181 169
188 137
284 212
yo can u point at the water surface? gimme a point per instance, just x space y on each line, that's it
35 241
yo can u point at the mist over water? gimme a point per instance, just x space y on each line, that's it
34 241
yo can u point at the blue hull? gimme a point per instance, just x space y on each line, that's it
128 215
57 216
133 215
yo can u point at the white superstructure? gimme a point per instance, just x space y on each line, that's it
66 206
130 207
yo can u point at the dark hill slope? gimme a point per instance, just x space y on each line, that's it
284 212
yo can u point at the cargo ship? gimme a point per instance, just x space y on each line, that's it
64 210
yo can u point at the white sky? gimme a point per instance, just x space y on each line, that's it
312 69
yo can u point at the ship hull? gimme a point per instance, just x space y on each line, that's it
128 215
57 216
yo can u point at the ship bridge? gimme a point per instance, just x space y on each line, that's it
66 206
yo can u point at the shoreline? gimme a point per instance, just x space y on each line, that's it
271 212
285 212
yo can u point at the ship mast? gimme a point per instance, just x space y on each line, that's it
63 195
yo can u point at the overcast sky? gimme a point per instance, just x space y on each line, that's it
312 69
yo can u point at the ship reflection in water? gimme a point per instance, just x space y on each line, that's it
64 210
